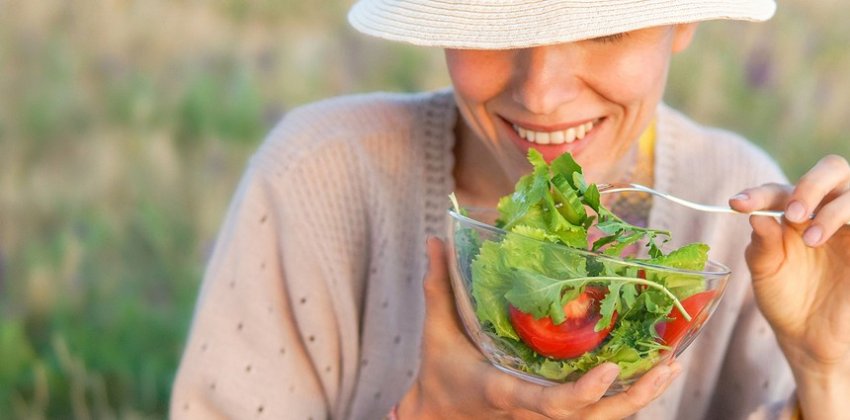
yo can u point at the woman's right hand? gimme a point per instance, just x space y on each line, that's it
456 381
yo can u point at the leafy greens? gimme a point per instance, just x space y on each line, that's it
555 205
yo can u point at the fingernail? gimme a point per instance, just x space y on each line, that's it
741 197
663 378
795 212
812 235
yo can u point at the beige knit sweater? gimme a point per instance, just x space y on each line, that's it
311 306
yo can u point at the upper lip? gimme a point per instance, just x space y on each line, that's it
549 127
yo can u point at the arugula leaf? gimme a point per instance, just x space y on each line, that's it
611 227
564 265
689 257
629 295
610 303
624 241
655 303
605 240
537 295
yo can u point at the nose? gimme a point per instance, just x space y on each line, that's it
547 77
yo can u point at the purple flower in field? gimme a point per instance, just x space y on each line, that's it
759 68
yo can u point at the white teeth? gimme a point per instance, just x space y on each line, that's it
555 137
571 135
558 137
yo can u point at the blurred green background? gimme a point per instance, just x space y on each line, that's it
125 125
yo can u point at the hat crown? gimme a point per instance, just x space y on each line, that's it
505 24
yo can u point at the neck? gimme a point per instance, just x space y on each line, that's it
621 171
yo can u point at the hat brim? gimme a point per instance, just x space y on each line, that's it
499 24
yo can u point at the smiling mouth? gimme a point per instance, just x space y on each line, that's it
567 135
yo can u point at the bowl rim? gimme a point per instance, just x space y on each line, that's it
723 269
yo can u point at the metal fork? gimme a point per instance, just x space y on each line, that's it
615 188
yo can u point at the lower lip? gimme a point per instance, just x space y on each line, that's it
552 151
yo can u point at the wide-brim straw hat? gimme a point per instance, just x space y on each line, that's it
506 24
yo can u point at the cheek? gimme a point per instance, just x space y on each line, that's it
477 76
636 77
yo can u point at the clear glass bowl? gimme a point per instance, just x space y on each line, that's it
485 255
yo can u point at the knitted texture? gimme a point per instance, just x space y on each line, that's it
312 305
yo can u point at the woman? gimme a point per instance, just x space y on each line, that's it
312 305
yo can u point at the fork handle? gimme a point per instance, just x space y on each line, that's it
771 213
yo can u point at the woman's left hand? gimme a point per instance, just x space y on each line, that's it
801 276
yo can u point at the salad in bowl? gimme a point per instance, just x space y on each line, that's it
546 289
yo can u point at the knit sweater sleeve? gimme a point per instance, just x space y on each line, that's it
276 323
244 313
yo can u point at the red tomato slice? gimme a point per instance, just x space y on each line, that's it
672 331
571 338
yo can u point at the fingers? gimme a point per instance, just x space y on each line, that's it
831 175
765 197
823 188
649 387
824 191
563 400
585 397
830 218
593 385
765 252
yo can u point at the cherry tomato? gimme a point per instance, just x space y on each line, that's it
571 338
673 330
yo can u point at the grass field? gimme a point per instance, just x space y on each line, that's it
125 125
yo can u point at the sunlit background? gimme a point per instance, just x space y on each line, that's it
125 125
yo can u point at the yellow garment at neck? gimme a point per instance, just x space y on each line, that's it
645 162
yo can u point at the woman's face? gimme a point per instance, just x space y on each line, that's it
592 98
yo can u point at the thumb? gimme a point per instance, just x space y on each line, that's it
766 250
